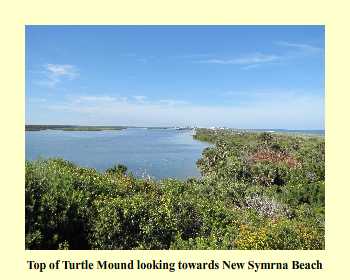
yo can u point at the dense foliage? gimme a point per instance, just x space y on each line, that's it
258 191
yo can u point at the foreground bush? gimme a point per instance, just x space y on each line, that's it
250 197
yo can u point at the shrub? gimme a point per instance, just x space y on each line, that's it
258 191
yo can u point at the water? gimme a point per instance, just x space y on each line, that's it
159 153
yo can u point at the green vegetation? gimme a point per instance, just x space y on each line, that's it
72 127
258 191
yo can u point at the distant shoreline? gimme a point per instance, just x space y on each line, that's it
72 127
310 132
93 127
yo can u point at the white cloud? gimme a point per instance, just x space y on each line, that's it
251 66
142 59
140 98
253 59
98 100
95 98
60 70
256 60
55 73
286 109
246 62
172 102
306 48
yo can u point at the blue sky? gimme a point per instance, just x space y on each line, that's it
234 76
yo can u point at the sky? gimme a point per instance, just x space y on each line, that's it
231 76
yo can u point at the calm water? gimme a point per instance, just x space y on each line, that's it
160 153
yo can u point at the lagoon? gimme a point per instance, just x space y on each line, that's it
159 153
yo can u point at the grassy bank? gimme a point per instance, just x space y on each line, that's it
258 191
